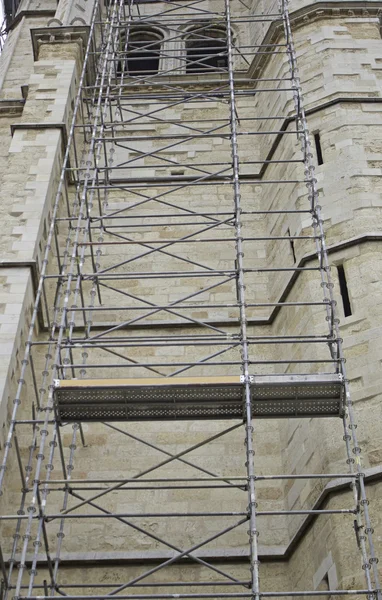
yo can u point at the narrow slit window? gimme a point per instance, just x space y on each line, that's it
344 291
291 242
317 142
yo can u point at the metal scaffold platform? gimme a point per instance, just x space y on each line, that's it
185 279
197 398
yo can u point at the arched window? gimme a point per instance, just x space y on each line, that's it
206 49
139 54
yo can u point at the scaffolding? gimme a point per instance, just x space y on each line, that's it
8 13
188 146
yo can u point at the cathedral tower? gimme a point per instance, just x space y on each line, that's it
190 315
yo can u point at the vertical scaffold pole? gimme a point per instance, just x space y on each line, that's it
254 567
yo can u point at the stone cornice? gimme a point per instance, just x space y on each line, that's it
314 12
30 14
60 35
78 34
335 8
11 107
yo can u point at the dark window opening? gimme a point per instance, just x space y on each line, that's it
317 142
344 291
140 54
206 50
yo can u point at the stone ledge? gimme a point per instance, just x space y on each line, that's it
61 126
354 241
311 111
30 264
33 268
319 106
266 553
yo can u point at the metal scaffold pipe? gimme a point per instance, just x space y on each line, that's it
250 454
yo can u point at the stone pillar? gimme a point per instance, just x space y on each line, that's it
30 174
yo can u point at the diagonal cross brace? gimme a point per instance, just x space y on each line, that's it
151 469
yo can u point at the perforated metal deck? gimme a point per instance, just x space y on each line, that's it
196 398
